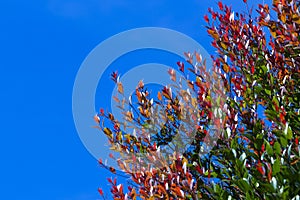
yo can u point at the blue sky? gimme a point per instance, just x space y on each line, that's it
43 44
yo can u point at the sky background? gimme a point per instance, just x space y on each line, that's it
42 45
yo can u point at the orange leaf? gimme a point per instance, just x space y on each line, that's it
172 74
213 33
120 88
283 17
96 118
159 96
112 170
141 84
111 117
116 99
198 57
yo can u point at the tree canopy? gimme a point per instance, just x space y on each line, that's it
227 133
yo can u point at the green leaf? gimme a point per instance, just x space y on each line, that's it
268 92
243 185
264 68
269 148
271 79
289 133
277 148
249 196
283 141
276 166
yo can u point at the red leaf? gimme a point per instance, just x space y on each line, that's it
240 46
220 5
206 18
214 15
252 69
100 191
102 111
109 180
260 168
166 92
199 169
114 76
263 148
282 119
181 66
116 127
270 172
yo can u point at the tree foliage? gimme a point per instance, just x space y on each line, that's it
250 100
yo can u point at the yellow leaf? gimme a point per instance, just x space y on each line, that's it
283 17
223 45
297 20
108 132
128 137
226 68
273 33
194 102
198 80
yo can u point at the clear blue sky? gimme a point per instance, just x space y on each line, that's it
42 45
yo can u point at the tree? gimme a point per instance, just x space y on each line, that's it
256 118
